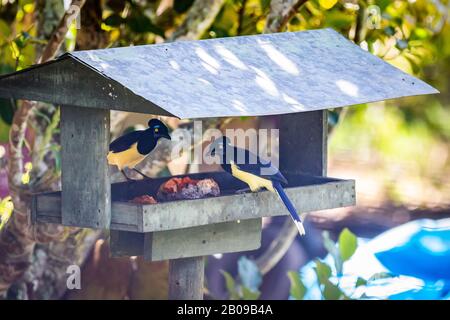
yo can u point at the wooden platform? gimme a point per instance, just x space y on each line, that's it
308 193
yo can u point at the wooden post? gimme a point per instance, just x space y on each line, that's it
186 278
303 142
86 189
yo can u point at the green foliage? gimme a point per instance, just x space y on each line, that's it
248 283
231 286
6 209
182 6
236 291
327 278
347 244
298 289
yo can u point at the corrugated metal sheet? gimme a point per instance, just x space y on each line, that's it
254 75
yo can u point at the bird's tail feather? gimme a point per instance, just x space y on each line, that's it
293 213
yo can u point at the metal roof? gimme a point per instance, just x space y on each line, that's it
238 76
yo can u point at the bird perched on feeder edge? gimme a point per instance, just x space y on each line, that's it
129 150
254 172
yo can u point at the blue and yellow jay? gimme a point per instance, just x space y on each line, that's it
130 149
247 167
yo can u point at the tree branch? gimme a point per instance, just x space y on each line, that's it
57 38
278 248
199 18
281 12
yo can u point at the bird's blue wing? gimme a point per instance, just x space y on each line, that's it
125 142
255 165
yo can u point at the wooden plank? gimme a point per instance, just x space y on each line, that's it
186 278
166 216
124 243
126 216
225 237
70 82
86 189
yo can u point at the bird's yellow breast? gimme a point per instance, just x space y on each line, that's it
254 182
126 159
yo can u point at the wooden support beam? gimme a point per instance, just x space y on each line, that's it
234 236
86 188
186 278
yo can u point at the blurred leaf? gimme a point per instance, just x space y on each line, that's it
57 156
140 23
401 44
26 178
6 209
249 273
382 4
182 6
298 289
265 4
327 4
331 291
338 19
420 34
4 131
114 20
333 251
323 271
390 31
347 244
248 294
231 285
22 40
6 110
380 275
328 243
360 282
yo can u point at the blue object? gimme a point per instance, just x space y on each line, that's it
425 255
417 254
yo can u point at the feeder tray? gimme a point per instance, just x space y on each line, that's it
182 228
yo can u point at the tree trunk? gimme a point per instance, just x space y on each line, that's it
281 12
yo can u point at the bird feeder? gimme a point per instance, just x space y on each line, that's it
295 77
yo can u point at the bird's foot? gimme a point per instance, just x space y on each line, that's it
127 177
145 176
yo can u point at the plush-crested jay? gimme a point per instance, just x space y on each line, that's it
247 167
130 149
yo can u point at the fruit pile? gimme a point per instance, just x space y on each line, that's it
181 188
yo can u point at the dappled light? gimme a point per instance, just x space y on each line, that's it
204 81
265 83
279 58
208 62
294 103
238 105
348 88
174 65
230 57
